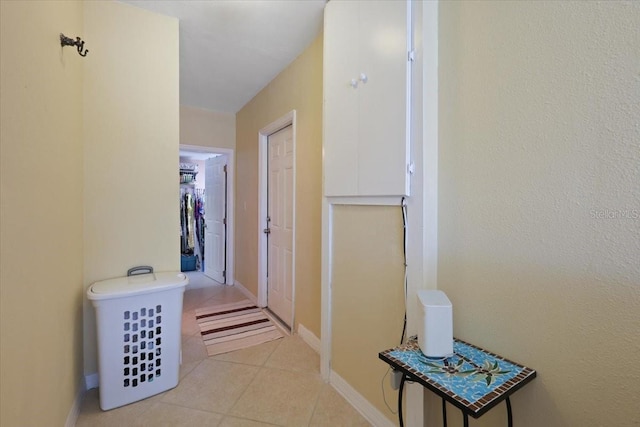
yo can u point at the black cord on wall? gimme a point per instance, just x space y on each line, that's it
404 251
403 205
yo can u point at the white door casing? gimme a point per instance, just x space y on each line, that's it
207 152
280 224
215 218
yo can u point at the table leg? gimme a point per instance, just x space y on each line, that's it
400 400
444 413
465 419
509 415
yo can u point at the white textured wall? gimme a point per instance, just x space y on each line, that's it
40 212
367 306
298 87
131 133
207 128
539 217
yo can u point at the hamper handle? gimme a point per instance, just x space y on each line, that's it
141 269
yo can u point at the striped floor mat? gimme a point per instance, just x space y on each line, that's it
234 326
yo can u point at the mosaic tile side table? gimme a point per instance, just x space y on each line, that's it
473 379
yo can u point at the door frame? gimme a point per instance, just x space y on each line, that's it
230 237
263 179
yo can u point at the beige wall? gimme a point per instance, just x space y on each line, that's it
367 296
207 128
539 108
298 87
131 113
41 212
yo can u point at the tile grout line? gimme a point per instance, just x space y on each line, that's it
315 405
185 407
252 419
191 312
227 413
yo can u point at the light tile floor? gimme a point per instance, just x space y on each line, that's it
276 383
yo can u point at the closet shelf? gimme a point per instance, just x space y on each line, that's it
187 177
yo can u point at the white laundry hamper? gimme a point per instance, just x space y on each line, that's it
138 321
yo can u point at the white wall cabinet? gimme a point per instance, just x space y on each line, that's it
366 98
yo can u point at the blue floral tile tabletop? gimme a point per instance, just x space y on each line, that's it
472 378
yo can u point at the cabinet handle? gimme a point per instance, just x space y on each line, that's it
353 83
364 78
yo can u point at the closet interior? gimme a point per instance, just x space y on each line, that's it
191 218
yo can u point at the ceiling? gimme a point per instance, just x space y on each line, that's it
231 49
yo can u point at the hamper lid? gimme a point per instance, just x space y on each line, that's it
135 285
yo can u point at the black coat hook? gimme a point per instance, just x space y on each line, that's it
78 42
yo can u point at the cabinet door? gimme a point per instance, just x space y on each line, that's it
383 150
340 119
366 150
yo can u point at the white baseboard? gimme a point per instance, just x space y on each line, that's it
246 292
362 405
74 412
308 337
206 283
91 381
414 404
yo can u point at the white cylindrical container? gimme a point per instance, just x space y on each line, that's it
139 330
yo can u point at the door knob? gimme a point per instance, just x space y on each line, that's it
364 78
353 83
267 230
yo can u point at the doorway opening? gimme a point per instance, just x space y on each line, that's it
207 232
277 218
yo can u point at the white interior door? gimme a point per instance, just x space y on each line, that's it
280 225
215 214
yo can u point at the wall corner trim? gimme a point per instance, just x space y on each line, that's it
362 405
309 338
246 292
74 411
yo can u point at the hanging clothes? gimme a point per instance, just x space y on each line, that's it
190 220
192 223
199 215
187 221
